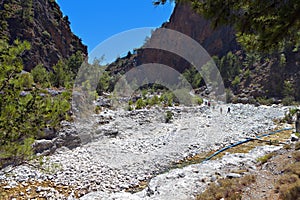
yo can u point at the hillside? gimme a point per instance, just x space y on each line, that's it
250 76
41 23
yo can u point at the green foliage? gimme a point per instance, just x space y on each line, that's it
236 81
27 11
46 34
288 117
288 89
65 71
23 115
26 81
229 95
247 73
229 66
41 76
167 98
265 158
265 101
197 100
168 116
60 76
140 104
193 77
287 101
103 84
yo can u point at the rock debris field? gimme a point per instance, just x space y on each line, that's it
131 147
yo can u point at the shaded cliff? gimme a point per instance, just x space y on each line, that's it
269 76
185 20
42 23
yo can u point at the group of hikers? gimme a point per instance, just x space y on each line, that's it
209 104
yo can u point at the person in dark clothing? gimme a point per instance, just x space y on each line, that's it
228 110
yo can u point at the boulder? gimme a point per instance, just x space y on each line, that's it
294 138
42 145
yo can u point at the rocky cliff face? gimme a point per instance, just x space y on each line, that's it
185 20
267 79
42 24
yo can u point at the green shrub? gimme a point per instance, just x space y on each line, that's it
197 100
140 104
265 158
264 101
41 76
247 73
236 81
289 115
168 116
229 95
287 101
154 100
26 81
46 34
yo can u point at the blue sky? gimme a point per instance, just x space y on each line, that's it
95 21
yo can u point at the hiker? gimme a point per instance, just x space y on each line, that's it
228 110
221 110
208 104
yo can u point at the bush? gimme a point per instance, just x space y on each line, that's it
140 104
26 81
265 158
289 116
236 81
287 101
41 76
229 95
154 101
265 101
46 34
168 117
197 100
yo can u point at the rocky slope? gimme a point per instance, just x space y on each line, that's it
267 76
42 23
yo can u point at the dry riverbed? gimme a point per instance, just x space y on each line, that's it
136 151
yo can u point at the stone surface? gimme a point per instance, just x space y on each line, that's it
145 147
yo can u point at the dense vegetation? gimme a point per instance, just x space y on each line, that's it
26 106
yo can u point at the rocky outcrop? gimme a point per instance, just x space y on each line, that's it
184 20
42 23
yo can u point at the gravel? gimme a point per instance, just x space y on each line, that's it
124 148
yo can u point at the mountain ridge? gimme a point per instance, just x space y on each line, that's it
40 22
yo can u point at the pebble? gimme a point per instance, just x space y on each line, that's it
233 175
